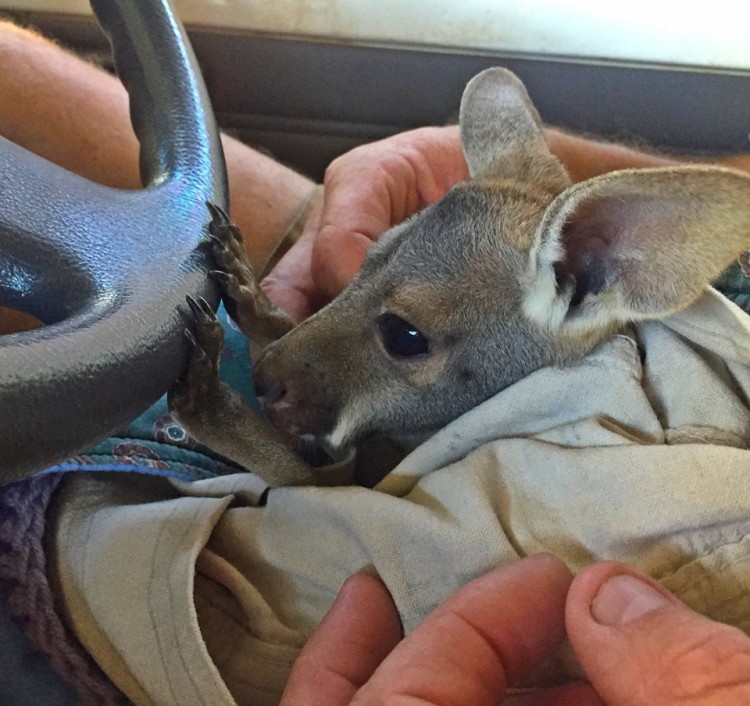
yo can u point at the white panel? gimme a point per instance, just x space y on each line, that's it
666 31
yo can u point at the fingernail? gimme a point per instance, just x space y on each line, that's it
624 598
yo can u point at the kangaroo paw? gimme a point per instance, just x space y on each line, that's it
200 383
247 304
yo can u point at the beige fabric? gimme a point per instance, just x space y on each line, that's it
612 458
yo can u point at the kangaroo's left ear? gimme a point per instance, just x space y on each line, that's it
501 132
635 245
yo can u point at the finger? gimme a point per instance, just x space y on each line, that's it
357 209
575 694
337 256
640 645
358 632
290 284
488 635
376 186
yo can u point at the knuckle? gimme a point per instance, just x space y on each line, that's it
271 283
342 164
377 160
333 168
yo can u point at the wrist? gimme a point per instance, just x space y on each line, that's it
585 158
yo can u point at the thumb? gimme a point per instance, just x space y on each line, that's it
639 645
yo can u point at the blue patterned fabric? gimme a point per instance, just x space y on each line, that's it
156 444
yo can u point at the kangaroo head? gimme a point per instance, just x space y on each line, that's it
512 270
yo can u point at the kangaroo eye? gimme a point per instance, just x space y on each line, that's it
400 338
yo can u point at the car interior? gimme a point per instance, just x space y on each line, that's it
303 82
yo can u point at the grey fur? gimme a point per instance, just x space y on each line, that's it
511 271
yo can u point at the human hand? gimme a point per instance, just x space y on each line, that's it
637 643
378 185
489 635
367 190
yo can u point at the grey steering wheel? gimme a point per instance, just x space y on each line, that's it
107 270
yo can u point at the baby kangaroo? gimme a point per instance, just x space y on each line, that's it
512 270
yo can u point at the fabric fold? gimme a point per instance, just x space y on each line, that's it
196 593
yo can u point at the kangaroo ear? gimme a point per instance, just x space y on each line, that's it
635 245
501 132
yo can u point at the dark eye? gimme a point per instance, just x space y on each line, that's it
400 338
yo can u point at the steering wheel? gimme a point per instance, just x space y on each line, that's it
107 270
